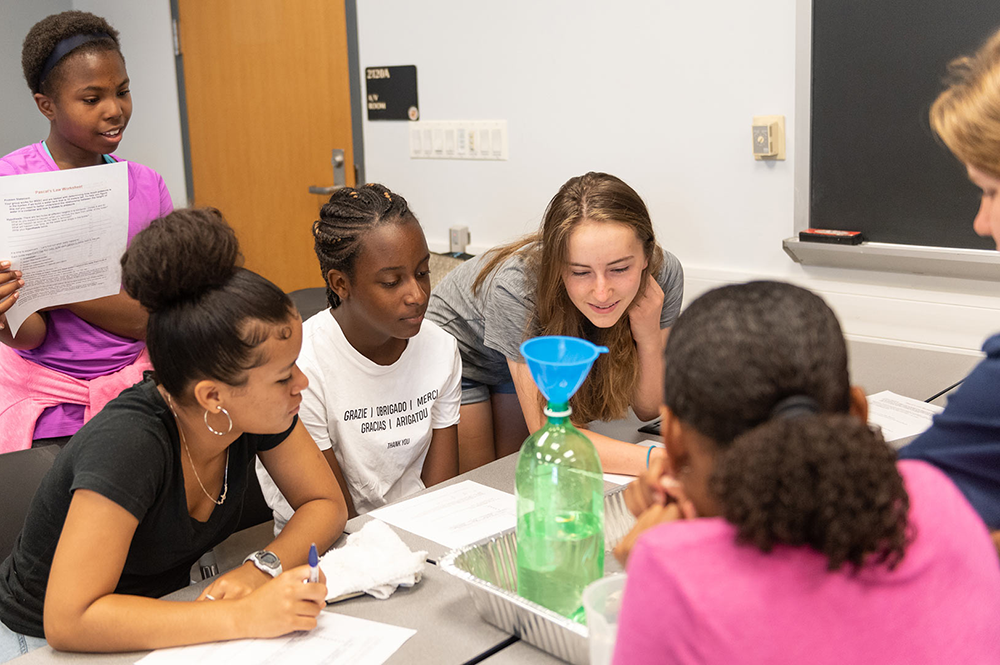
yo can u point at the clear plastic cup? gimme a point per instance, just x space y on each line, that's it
603 600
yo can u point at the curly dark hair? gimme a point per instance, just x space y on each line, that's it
823 480
43 37
207 315
345 220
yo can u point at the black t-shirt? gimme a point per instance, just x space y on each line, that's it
131 454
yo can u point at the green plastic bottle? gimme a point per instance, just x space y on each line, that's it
560 489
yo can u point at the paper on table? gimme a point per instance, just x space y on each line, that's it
455 515
66 232
335 639
618 479
900 417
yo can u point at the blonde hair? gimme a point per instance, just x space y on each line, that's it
966 116
596 197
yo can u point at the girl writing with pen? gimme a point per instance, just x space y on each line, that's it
157 477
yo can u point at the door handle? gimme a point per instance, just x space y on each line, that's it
325 191
339 175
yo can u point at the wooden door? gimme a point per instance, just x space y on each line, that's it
268 99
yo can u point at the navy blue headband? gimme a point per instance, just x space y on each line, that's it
63 48
795 406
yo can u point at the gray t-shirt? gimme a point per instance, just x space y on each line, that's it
491 325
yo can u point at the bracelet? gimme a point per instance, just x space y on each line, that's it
648 453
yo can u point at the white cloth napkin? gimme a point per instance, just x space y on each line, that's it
374 561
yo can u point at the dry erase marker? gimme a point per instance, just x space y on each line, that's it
313 564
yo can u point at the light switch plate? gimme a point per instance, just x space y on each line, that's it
459 139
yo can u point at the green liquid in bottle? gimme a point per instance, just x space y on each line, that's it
560 516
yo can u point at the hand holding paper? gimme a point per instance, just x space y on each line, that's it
66 231
10 282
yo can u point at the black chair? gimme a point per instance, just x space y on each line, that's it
20 474
309 301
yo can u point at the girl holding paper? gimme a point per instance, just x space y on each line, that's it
157 478
76 72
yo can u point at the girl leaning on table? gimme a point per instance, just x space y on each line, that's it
787 532
593 270
964 440
157 477
384 384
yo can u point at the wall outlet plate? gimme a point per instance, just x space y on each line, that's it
768 137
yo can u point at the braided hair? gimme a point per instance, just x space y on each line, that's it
345 220
820 479
45 35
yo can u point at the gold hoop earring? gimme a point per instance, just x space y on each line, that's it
215 431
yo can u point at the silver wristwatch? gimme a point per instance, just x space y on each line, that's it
265 561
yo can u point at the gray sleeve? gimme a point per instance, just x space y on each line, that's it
508 307
671 280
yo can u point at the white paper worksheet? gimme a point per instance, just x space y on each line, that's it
454 516
336 640
900 417
618 478
66 232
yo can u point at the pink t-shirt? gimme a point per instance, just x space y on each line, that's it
694 596
73 346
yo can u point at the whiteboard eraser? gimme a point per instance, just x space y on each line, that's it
832 236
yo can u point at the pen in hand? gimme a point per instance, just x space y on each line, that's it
313 564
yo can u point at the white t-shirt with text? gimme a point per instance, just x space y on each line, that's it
377 418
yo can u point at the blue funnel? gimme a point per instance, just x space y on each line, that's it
559 364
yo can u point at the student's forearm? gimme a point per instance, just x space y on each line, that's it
30 335
432 474
441 462
319 521
331 460
128 623
118 314
620 456
649 389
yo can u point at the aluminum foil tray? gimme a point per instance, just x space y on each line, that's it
489 570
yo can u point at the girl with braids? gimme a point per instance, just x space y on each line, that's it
788 533
593 270
65 363
384 385
964 440
157 478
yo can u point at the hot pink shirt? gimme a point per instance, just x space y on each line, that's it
73 346
694 596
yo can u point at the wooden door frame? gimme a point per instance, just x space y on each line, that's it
357 135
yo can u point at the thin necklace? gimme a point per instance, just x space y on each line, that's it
225 477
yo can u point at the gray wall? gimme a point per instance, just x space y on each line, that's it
22 123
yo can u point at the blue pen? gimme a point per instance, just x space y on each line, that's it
313 564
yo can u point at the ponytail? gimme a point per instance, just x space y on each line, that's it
823 481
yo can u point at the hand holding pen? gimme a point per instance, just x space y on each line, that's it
313 564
